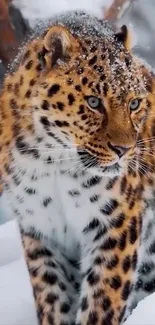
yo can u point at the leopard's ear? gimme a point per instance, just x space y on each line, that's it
124 35
58 44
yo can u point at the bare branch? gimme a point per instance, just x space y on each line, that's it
117 10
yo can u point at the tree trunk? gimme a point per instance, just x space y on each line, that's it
8 41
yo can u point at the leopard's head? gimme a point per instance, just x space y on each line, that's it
92 93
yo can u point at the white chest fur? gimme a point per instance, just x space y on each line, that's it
57 198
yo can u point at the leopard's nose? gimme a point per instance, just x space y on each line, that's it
119 150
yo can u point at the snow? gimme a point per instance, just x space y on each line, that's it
16 299
5 211
144 314
17 305
45 9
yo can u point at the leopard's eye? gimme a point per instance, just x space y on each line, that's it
94 102
134 104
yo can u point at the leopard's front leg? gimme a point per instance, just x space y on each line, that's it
108 267
51 278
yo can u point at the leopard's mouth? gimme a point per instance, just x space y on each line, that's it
90 161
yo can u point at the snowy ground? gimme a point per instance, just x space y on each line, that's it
144 314
16 299
141 16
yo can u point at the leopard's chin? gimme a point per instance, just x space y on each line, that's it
108 171
91 163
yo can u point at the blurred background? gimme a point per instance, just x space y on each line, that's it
19 17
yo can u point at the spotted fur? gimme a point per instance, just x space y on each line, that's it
77 166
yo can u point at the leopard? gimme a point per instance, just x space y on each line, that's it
77 137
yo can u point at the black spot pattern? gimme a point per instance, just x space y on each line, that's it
28 93
139 285
106 303
44 120
133 230
29 64
134 260
49 278
84 80
126 264
47 201
38 253
108 318
105 89
129 192
60 106
123 184
109 207
51 298
116 282
53 90
122 314
81 109
93 60
31 83
109 243
50 263
122 241
84 303
65 307
94 198
150 286
100 233
92 182
146 268
74 193
61 123
16 180
126 290
45 105
111 183
112 263
62 286
98 293
29 190
92 225
118 221
71 99
152 248
98 260
78 87
93 318
93 278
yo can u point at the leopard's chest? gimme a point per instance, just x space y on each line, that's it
56 203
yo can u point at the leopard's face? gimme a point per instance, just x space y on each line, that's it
93 95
